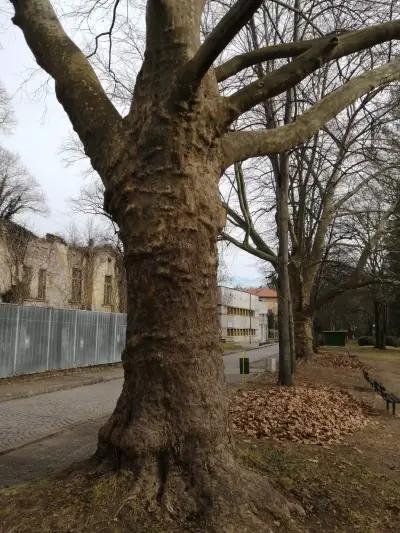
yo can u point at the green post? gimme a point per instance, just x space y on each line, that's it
244 365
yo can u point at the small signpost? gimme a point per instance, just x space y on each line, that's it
244 366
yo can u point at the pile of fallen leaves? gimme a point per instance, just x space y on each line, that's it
337 360
309 414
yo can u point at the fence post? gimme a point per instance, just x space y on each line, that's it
48 341
95 342
16 342
115 336
76 320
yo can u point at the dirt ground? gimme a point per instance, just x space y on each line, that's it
349 487
352 486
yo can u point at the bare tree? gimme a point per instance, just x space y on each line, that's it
15 242
160 166
19 191
362 261
6 111
306 186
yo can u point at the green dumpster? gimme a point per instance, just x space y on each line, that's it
335 338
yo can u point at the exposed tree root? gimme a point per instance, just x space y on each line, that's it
215 497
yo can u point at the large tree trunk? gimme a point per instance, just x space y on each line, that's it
172 409
303 332
170 425
302 316
160 165
292 337
380 324
285 354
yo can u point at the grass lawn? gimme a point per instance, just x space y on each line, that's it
349 487
367 352
230 346
384 364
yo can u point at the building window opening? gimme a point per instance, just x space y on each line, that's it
41 294
107 290
76 292
26 281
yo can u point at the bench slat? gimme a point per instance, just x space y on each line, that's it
389 397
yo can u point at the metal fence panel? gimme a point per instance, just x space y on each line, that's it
9 316
120 336
62 339
85 339
105 337
34 339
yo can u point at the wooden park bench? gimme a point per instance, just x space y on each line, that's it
367 377
391 398
379 388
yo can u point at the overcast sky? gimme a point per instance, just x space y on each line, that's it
42 127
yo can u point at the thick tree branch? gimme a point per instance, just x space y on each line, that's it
220 37
239 146
259 243
248 248
279 80
242 196
348 43
79 91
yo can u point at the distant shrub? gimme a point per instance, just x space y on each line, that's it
366 341
392 341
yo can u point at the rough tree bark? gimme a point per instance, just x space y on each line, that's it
303 333
302 312
380 324
160 166
172 409
285 359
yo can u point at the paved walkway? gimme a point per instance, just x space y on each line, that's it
52 454
29 419
44 433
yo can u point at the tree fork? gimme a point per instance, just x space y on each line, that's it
160 165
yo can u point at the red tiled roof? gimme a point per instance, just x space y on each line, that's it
263 292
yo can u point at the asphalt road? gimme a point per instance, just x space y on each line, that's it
45 433
257 358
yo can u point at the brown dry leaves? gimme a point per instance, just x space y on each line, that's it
309 414
337 360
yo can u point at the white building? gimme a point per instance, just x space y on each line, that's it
268 312
239 316
248 316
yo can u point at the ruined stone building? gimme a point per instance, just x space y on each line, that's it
48 272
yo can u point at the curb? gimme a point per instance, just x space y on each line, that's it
250 349
56 388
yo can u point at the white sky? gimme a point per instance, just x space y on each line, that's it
42 127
